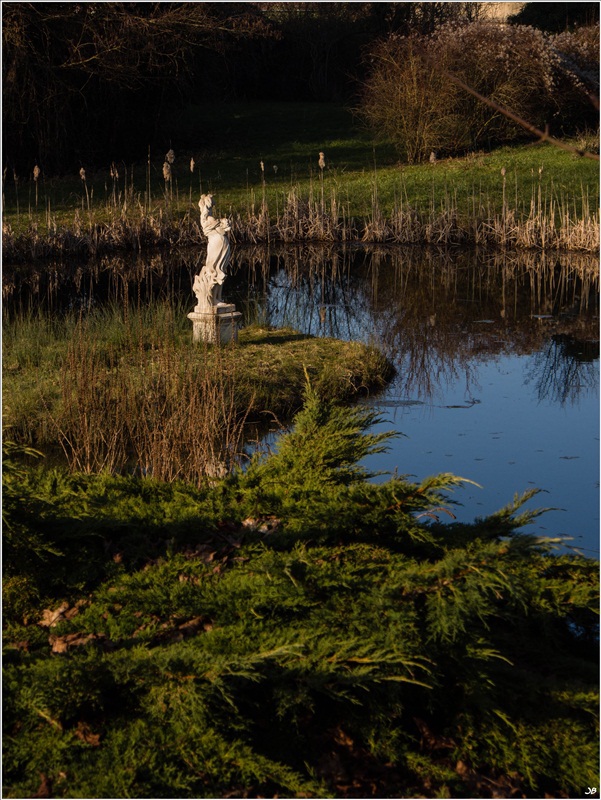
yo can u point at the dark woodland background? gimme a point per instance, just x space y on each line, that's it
85 83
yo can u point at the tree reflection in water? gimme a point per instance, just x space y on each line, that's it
462 327
436 313
564 368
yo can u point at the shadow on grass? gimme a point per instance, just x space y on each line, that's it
266 336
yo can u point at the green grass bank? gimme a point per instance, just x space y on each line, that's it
262 167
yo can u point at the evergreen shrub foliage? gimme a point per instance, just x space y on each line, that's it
293 630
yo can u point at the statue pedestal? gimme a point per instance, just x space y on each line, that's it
218 326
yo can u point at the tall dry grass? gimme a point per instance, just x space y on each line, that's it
550 223
129 222
160 410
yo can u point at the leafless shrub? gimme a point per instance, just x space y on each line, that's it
578 52
409 98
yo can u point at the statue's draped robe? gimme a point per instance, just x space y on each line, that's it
218 248
207 285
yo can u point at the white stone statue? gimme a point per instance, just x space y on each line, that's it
208 284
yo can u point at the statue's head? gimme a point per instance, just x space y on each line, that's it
206 201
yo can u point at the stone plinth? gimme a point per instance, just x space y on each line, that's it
218 326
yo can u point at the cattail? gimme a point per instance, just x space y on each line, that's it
170 157
16 180
322 164
114 173
36 175
82 175
192 165
167 177
263 181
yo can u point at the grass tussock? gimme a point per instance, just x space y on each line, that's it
125 390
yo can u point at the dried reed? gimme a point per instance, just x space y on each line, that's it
36 176
548 223
172 413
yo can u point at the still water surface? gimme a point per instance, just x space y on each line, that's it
497 370
496 355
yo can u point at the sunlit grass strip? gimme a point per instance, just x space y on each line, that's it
525 197
551 225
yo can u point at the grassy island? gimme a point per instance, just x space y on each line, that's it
128 389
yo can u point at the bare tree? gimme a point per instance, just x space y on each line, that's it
60 58
477 84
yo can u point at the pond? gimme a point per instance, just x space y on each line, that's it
497 368
496 355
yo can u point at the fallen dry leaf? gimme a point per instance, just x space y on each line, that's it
84 732
267 524
50 617
195 625
60 644
45 787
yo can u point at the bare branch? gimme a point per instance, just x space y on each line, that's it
543 136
